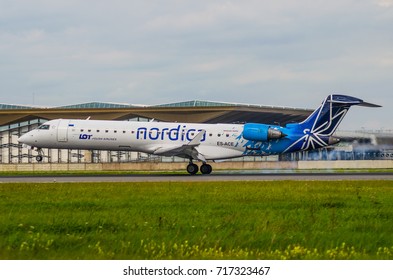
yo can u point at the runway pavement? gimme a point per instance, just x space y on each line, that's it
238 176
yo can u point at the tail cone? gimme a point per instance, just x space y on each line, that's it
333 140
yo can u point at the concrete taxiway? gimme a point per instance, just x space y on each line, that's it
202 178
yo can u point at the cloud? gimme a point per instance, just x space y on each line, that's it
289 53
385 3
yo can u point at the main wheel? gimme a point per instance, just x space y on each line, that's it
206 169
192 168
39 158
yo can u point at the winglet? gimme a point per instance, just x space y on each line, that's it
197 139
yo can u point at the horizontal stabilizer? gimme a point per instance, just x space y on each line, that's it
349 100
366 104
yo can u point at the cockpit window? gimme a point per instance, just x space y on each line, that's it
44 127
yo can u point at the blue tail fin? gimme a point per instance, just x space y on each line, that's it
325 120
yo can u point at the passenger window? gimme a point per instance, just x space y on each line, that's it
106 131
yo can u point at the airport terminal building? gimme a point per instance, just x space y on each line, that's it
15 120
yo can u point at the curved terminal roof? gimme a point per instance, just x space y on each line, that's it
196 103
13 107
97 105
187 111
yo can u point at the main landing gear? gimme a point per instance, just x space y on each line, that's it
192 168
206 168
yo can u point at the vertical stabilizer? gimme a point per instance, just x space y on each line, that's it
325 120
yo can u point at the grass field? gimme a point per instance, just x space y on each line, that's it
215 220
52 173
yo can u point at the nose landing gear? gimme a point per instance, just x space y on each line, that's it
40 155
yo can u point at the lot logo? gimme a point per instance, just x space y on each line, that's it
85 136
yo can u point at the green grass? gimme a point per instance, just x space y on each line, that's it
66 173
149 172
214 220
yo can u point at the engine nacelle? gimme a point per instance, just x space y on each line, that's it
261 132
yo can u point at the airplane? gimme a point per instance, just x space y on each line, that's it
196 141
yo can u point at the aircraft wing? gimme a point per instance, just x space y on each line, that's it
187 150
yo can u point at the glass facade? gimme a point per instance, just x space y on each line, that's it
13 107
97 105
195 103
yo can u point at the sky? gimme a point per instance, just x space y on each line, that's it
281 53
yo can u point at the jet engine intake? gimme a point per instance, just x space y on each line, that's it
261 132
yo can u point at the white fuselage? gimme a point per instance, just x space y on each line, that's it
220 141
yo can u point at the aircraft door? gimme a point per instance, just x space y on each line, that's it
62 131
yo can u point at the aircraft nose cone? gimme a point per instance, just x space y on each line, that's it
24 139
21 139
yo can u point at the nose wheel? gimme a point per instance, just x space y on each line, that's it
40 155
